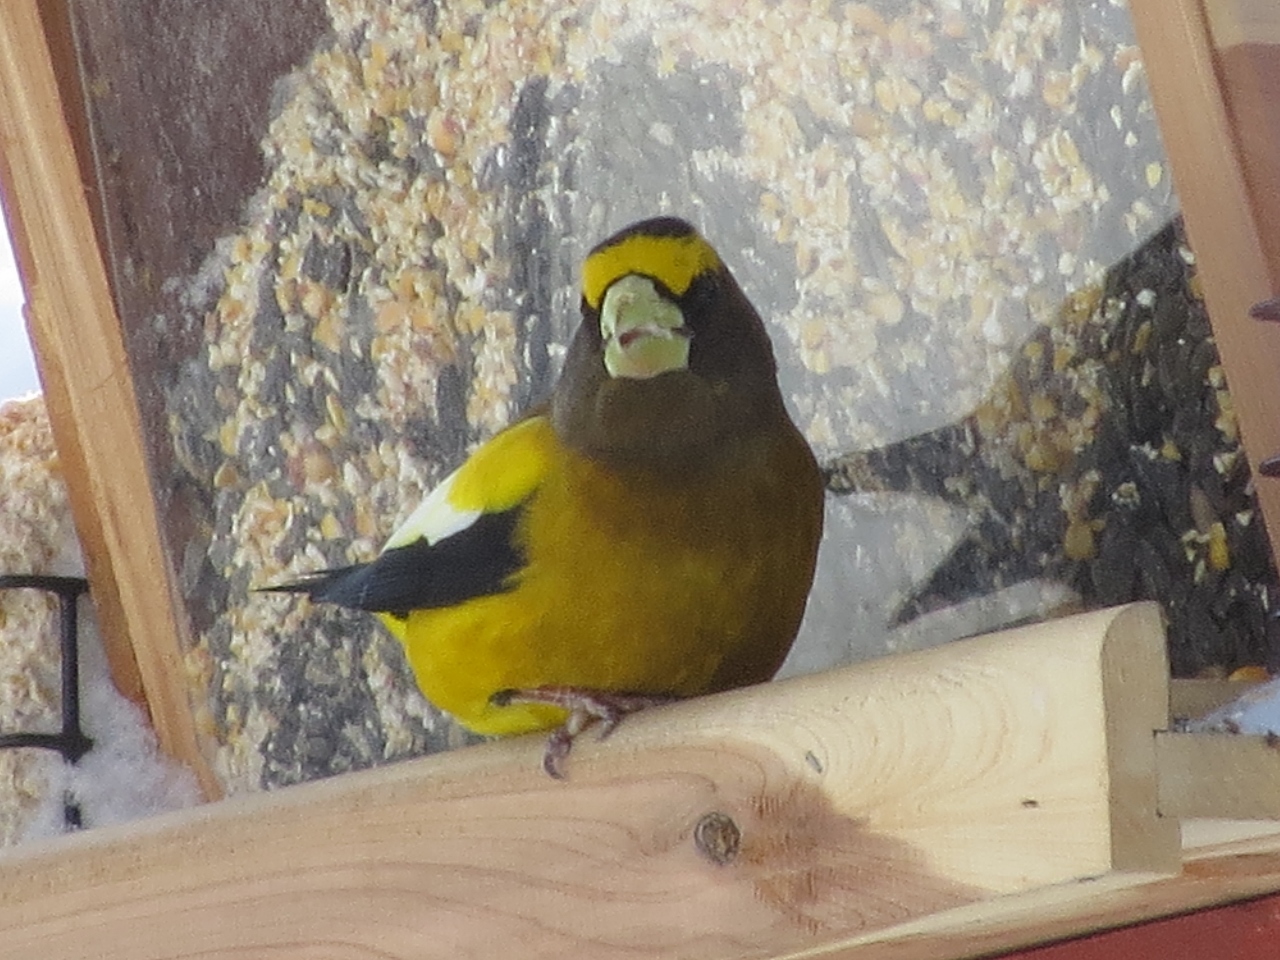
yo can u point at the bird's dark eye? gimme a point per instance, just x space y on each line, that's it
701 295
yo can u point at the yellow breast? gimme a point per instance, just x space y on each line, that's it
632 584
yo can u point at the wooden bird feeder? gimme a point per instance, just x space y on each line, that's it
984 796
981 796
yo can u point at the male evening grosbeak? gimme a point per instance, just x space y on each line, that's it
648 534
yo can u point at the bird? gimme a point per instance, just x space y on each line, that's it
647 534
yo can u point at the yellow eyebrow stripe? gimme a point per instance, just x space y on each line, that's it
674 261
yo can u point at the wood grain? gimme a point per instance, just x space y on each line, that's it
88 388
1224 219
1246 42
867 801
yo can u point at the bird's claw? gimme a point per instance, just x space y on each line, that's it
559 743
587 708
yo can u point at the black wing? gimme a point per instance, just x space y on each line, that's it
476 562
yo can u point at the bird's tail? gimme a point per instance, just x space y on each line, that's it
326 586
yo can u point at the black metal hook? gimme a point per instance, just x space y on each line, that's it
71 742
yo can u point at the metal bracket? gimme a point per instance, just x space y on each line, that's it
71 742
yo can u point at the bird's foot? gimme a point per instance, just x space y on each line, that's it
587 708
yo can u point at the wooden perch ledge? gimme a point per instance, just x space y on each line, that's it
983 795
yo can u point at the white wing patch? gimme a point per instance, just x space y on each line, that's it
434 519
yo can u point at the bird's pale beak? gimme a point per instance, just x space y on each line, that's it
644 333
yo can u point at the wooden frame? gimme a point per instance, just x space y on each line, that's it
89 389
1216 120
359 860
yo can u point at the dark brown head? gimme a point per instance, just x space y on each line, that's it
671 358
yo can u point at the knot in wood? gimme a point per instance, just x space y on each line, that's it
717 838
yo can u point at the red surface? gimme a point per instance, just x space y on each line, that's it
1241 931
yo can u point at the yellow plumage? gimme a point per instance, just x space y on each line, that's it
638 588
673 260
649 533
